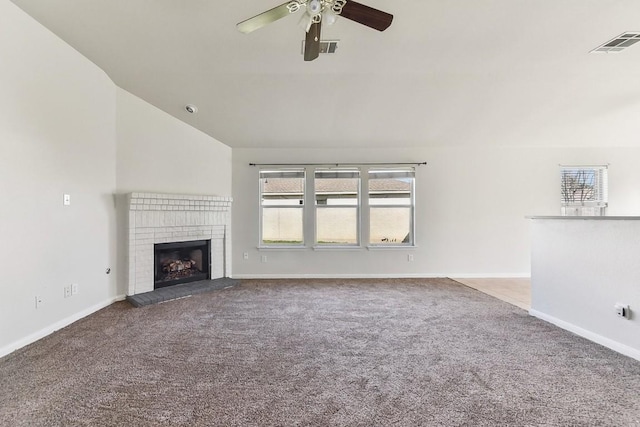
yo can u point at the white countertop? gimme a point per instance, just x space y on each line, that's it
588 218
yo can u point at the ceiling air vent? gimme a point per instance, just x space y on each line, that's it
619 43
326 46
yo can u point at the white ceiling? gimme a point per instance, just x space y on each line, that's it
447 72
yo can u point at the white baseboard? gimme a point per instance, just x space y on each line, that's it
58 325
334 276
491 276
379 276
591 336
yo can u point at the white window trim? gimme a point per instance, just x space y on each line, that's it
316 245
412 217
602 192
261 244
363 214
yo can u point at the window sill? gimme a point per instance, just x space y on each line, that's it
281 248
390 247
339 248
336 248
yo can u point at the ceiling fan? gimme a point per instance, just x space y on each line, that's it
316 12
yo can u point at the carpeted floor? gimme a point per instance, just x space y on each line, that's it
421 352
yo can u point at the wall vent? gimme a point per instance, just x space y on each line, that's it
619 43
326 46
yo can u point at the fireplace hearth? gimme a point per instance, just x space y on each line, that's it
156 219
181 262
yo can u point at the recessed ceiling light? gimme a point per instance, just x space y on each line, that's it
192 109
619 43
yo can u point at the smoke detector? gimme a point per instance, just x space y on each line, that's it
619 43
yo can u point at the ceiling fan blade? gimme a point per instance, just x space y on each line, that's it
268 17
366 15
312 42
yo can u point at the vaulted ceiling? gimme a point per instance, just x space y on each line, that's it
447 72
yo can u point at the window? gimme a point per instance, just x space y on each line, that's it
337 206
583 190
282 207
331 207
391 206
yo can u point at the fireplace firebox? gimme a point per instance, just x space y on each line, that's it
181 262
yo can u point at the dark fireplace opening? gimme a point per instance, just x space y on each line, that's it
181 262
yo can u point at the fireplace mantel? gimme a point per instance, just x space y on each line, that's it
164 218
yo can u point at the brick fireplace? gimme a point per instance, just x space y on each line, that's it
166 218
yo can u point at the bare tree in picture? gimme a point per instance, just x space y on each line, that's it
577 186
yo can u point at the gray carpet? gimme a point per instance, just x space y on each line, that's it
319 353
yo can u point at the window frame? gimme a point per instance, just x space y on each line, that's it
358 206
301 206
412 205
363 208
600 187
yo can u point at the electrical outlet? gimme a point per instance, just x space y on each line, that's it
39 301
264 258
67 291
245 255
410 257
622 310
74 289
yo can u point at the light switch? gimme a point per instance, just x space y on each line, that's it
67 199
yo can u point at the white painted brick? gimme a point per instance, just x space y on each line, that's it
181 218
162 218
170 219
188 218
142 220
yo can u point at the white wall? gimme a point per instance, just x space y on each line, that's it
158 153
57 130
65 128
470 210
580 270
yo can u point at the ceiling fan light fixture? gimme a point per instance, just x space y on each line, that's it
329 17
317 12
314 7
